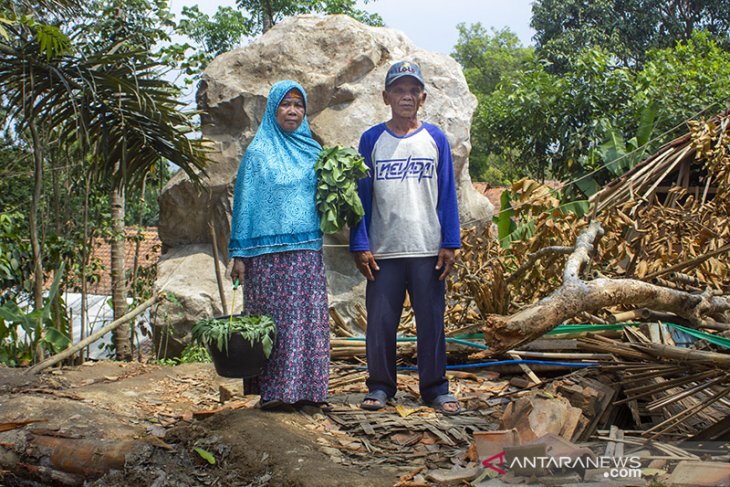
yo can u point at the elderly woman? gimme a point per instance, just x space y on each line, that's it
276 244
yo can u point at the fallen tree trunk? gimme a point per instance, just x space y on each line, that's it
576 296
58 460
93 337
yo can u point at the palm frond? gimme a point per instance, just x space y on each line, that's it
114 103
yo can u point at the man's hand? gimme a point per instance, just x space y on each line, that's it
237 270
366 264
446 260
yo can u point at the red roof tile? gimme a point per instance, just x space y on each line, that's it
149 254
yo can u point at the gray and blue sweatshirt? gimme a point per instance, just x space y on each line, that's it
409 196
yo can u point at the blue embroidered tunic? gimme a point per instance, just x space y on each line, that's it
274 198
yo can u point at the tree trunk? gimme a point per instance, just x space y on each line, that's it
59 460
33 217
575 296
84 262
122 339
267 16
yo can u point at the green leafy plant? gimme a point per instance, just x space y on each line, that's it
338 203
193 353
253 328
38 332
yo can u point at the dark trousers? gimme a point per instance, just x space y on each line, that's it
384 301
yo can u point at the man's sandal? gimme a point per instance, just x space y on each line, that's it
379 396
440 401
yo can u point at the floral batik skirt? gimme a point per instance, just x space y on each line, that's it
291 288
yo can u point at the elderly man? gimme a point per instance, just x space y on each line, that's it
407 239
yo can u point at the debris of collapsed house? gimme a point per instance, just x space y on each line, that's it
649 273
583 351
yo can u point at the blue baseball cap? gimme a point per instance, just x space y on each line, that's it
401 69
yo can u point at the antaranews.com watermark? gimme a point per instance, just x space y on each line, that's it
614 467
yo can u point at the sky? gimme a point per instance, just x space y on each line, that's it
430 24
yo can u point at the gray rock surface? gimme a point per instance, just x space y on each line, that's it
342 65
188 274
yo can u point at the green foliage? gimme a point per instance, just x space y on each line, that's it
39 332
253 328
601 113
627 28
505 219
488 59
222 32
607 79
338 203
268 13
142 206
191 354
96 113
684 80
52 41
3 30
491 175
194 354
16 258
229 28
620 155
134 25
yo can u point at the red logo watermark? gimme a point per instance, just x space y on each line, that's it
500 457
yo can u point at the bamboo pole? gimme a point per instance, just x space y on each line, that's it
563 355
690 263
685 279
680 157
216 264
684 415
633 315
94 336
685 355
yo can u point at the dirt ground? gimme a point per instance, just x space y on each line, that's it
157 416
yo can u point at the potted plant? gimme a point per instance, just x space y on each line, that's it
239 345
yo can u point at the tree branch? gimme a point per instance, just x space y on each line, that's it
534 257
575 296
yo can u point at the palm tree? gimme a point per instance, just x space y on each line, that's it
113 103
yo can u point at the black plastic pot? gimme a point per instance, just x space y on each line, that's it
241 360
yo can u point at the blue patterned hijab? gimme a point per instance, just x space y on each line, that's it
273 202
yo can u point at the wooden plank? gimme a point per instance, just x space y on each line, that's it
367 428
433 429
611 445
634 408
619 452
526 369
550 345
459 435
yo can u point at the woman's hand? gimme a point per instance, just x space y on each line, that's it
237 270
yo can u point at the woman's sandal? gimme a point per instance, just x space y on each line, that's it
275 405
440 401
380 398
312 407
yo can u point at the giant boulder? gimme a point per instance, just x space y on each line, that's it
342 64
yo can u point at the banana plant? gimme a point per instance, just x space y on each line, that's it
38 333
